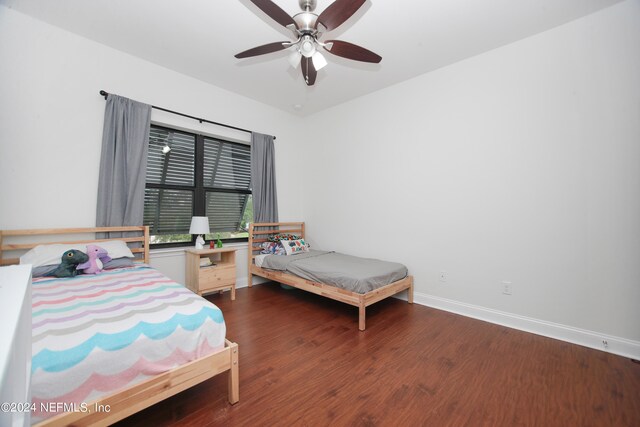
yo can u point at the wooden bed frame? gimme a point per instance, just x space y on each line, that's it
139 396
259 233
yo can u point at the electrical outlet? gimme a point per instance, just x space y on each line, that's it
443 276
506 287
605 344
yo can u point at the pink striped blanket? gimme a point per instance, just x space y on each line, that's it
95 334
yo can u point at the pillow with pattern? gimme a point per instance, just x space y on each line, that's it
272 248
293 247
282 236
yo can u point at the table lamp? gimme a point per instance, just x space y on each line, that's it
199 226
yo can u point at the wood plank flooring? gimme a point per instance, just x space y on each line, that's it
304 363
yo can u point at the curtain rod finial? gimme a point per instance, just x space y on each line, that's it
103 93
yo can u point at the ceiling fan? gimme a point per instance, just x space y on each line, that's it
308 28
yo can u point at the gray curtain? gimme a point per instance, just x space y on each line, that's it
263 178
123 162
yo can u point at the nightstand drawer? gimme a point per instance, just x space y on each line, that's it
213 277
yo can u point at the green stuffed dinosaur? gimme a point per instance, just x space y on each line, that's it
69 261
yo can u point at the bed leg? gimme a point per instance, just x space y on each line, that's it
250 277
234 377
410 292
361 316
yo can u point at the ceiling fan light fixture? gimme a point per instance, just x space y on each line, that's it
318 61
294 57
307 46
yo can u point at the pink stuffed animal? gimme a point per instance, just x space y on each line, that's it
97 258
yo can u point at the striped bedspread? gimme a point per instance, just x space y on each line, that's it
95 334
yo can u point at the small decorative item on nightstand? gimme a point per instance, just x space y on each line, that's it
219 242
210 270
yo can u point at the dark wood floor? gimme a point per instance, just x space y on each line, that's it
304 363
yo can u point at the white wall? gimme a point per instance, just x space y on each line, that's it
521 164
51 123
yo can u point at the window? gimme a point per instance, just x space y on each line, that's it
199 176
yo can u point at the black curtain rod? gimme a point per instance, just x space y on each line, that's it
105 94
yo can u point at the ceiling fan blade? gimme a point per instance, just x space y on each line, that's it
261 50
338 12
351 51
309 72
275 12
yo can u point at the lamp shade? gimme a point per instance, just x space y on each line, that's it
199 225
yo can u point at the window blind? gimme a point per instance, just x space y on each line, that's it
168 211
177 167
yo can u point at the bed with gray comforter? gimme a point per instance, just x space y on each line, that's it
354 274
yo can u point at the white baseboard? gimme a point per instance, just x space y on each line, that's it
243 282
615 345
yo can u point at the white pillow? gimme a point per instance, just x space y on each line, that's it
293 247
51 254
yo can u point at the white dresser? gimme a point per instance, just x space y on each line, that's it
15 343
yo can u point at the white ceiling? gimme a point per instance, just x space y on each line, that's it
199 38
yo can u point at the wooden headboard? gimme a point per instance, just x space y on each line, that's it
20 241
260 232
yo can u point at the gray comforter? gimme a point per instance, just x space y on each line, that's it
348 272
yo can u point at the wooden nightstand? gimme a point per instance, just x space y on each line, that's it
217 277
